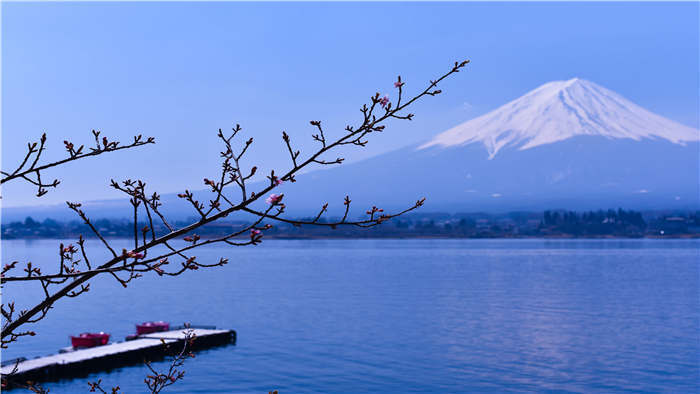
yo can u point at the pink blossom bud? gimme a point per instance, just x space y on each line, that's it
274 199
134 254
384 101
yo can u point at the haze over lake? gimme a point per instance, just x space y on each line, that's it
408 315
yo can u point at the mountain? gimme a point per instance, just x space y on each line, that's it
567 144
560 110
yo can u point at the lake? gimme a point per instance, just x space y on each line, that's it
405 315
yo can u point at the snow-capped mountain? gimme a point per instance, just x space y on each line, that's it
559 110
567 144
570 144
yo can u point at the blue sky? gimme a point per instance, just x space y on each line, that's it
180 71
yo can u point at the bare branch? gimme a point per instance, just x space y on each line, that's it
132 264
73 154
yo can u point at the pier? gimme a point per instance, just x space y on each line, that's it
69 363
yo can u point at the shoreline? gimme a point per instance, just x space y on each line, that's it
341 237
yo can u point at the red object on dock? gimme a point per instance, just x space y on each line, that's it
152 326
89 339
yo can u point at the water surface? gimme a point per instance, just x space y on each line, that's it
407 315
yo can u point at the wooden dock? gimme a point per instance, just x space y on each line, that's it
69 363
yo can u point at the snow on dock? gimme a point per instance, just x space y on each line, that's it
73 363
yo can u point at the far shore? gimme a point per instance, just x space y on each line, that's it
401 237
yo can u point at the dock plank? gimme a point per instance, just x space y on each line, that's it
83 354
180 334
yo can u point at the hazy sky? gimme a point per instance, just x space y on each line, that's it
180 71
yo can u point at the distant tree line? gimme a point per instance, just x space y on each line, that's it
550 223
610 222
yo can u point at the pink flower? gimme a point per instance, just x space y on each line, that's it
398 84
274 199
384 101
278 181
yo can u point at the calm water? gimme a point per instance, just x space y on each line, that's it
409 315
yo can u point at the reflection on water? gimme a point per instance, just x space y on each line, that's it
399 315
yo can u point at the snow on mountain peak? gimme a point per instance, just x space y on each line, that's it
559 110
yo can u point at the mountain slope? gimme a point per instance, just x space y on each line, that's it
584 172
